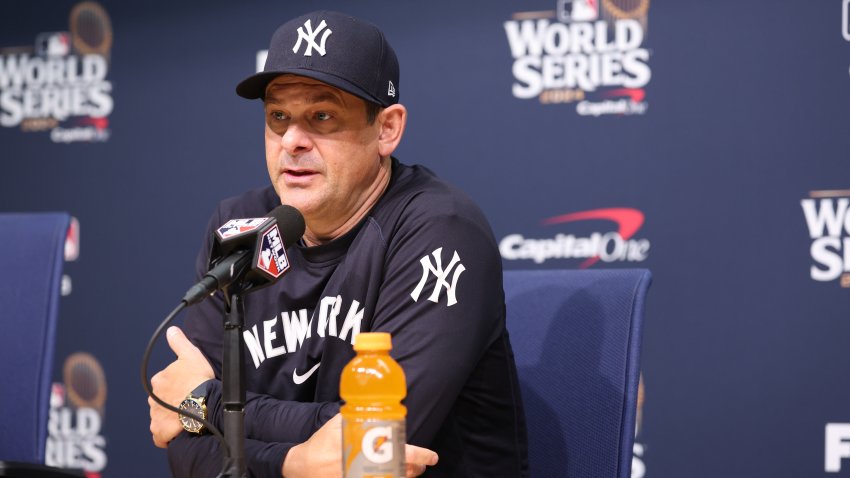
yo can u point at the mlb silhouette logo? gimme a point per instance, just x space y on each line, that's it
578 10
235 227
53 44
57 395
72 241
272 258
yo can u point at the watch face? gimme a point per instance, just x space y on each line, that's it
193 406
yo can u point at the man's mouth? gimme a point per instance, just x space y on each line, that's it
299 177
299 172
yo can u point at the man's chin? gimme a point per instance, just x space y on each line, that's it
306 208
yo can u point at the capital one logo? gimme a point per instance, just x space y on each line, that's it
436 268
310 38
613 246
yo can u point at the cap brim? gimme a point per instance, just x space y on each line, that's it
255 85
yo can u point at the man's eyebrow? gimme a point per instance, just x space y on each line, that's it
322 97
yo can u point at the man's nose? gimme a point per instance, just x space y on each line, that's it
296 140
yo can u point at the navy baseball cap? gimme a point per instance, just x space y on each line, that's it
333 48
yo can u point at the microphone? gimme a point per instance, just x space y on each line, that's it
250 250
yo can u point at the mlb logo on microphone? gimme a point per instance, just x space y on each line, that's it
273 258
234 227
578 10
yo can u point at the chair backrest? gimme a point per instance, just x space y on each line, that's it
576 337
31 259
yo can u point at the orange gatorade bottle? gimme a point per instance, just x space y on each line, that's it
373 434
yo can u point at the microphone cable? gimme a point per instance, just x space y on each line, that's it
149 389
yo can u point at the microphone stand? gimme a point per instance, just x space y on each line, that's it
233 386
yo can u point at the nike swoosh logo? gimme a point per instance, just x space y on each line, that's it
299 379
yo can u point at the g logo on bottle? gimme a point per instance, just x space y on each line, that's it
377 445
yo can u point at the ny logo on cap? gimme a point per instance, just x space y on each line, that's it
310 37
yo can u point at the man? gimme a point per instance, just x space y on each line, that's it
387 247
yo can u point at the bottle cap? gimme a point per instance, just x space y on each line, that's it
373 341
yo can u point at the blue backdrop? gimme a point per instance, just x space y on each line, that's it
706 141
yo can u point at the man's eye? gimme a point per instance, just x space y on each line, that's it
322 116
278 116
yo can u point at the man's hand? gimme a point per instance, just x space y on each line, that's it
417 458
321 455
173 384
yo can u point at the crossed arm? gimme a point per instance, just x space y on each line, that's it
439 344
319 455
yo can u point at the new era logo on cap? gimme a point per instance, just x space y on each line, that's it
336 49
310 38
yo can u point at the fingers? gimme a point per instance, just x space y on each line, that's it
194 363
320 455
180 344
163 425
159 385
419 455
418 458
156 380
163 429
414 470
160 444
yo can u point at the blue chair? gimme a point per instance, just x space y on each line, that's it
576 336
31 259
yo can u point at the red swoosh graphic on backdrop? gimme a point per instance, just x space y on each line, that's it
636 94
99 123
628 222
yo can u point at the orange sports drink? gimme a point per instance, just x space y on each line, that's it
373 431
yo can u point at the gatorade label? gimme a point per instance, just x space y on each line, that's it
373 449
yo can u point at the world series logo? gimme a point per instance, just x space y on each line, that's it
587 52
75 423
827 216
58 84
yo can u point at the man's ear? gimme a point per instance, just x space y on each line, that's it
391 121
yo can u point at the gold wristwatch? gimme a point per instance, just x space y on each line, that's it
195 402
